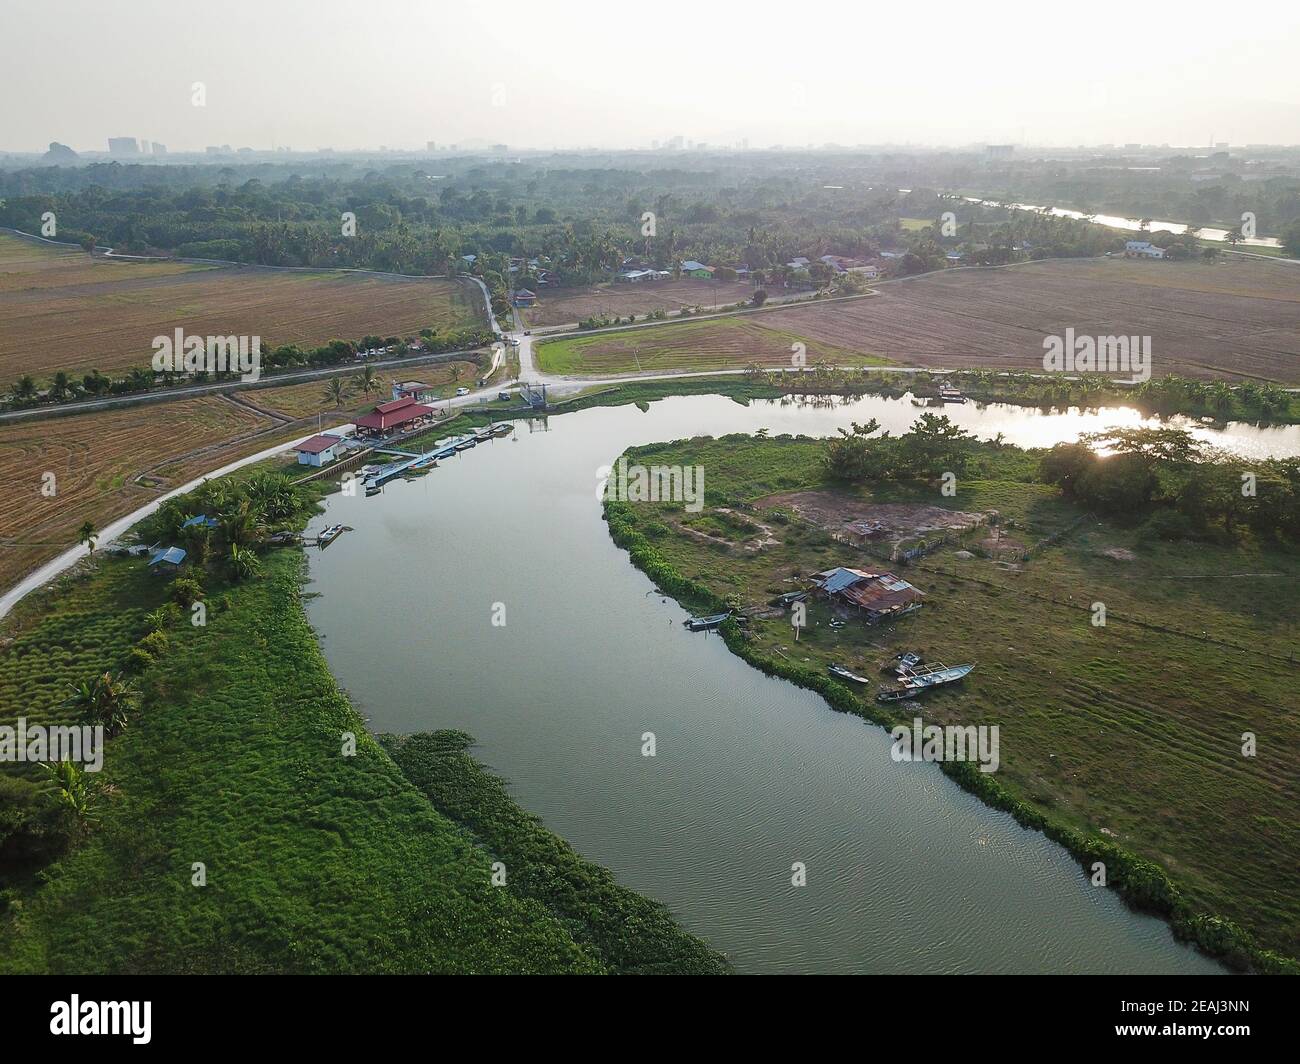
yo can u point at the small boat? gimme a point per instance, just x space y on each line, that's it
789 597
369 470
466 444
502 428
922 679
704 624
329 534
902 664
949 394
373 489
846 674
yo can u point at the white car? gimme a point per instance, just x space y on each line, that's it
462 391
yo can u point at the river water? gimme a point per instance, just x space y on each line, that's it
905 872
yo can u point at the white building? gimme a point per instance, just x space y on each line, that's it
319 450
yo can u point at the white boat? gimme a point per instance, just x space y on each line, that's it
846 674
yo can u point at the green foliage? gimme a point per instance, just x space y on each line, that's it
629 933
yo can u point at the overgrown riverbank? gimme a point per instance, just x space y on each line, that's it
246 821
1101 750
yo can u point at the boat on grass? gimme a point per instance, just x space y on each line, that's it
922 679
846 674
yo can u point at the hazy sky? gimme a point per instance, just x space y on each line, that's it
314 73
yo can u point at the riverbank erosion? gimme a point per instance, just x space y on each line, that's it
246 821
1146 778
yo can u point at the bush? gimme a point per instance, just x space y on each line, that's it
187 590
1168 525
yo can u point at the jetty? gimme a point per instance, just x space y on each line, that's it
410 462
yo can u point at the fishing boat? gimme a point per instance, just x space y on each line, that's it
922 679
373 489
328 535
704 624
502 428
846 674
789 597
466 443
949 394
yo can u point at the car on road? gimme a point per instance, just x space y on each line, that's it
462 391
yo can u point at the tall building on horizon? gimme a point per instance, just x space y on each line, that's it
123 146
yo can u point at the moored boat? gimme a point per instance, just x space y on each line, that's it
704 624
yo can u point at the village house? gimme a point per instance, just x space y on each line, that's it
168 559
417 390
1142 249
397 416
320 450
523 297
880 596
691 268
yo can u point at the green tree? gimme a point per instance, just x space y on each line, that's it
106 701
87 535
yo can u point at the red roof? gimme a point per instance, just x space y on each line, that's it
398 412
317 444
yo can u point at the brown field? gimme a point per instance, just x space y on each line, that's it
1238 318
308 399
95 459
63 311
563 306
713 343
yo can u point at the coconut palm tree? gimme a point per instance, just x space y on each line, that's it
367 380
86 534
336 392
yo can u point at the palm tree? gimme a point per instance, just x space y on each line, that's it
86 534
238 523
367 380
336 392
105 701
24 388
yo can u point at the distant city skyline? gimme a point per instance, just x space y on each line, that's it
402 73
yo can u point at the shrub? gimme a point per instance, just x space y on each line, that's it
187 590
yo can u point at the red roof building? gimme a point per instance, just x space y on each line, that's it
393 417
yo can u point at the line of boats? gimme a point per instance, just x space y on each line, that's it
914 678
374 477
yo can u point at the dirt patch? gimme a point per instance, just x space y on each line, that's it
1120 554
858 520
563 306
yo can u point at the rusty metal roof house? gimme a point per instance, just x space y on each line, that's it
881 596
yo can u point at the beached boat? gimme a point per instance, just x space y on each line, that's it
846 674
922 679
704 624
902 664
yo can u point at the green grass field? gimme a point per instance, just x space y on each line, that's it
1125 731
711 344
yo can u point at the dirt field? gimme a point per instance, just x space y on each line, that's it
307 400
62 311
844 515
720 343
563 306
1238 318
95 458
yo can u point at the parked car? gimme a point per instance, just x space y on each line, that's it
504 396
462 391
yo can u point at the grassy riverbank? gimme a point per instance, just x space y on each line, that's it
317 859
1123 742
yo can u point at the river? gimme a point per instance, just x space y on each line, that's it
906 872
